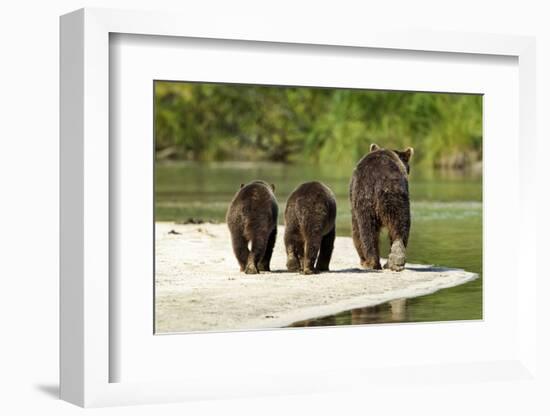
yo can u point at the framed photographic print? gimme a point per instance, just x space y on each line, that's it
225 259
239 210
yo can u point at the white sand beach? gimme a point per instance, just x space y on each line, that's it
199 286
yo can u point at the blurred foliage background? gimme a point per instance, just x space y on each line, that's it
221 122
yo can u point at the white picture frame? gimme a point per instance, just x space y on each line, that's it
87 356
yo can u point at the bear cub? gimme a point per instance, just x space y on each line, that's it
379 195
310 215
252 219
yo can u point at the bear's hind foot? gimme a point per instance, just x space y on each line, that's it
251 269
397 257
310 271
293 264
371 265
393 267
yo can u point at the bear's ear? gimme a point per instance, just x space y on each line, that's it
374 147
242 184
273 187
409 151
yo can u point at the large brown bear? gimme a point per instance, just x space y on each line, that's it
379 195
309 228
252 218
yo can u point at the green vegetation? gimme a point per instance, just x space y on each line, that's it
214 122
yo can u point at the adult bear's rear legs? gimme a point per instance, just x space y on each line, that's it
357 239
398 232
369 232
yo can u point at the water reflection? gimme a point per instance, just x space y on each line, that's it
392 311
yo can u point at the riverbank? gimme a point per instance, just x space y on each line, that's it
199 286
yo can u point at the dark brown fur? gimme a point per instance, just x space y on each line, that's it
252 218
379 195
310 215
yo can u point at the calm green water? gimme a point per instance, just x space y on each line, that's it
446 225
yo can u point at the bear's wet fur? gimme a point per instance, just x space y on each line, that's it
252 219
310 215
379 196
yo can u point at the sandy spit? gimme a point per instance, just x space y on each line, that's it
199 286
